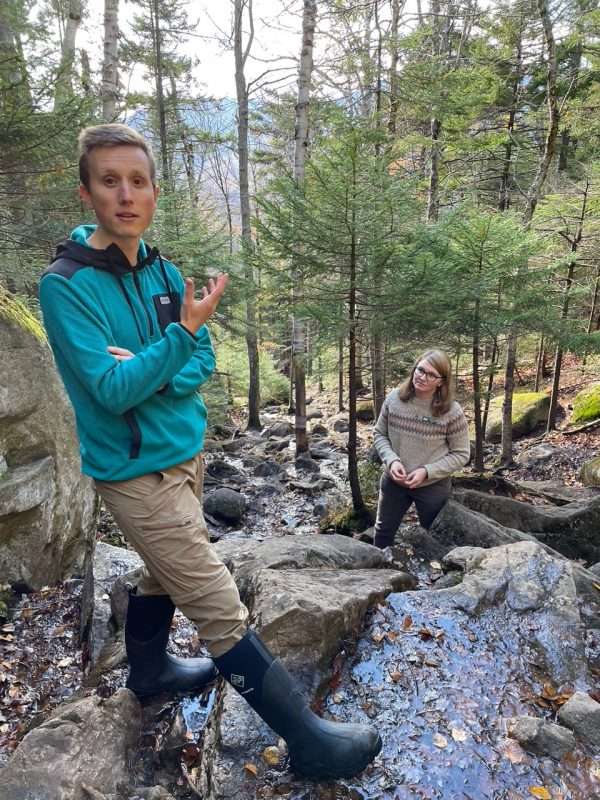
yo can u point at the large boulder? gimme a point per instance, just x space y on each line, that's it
47 508
528 410
586 405
590 472
83 747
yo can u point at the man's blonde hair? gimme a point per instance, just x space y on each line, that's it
112 134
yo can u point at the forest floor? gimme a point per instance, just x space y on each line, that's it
41 661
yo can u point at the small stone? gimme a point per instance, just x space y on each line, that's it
541 737
582 714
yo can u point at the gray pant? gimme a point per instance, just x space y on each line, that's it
395 500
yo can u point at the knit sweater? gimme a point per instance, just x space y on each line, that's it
408 431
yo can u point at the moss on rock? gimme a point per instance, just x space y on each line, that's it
586 405
364 411
590 472
14 311
528 410
347 521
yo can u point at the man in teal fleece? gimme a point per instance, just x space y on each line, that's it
130 342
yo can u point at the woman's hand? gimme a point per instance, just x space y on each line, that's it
397 471
415 478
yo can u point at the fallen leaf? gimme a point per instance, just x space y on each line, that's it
425 633
391 636
251 768
377 637
540 792
596 586
407 623
459 735
440 741
271 756
65 662
513 751
396 676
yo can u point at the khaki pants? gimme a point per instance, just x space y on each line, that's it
160 515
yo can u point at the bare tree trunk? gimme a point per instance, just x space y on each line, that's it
490 387
110 65
188 154
394 58
533 197
241 56
309 19
565 310
160 96
539 363
341 373
64 83
504 198
435 124
355 490
592 316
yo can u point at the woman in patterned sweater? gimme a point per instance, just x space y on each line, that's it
422 437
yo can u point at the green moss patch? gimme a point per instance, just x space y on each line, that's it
528 410
15 312
586 405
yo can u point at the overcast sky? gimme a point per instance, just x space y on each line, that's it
277 34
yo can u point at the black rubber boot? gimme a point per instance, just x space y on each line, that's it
319 749
151 669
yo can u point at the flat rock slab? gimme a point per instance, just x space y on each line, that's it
539 589
85 743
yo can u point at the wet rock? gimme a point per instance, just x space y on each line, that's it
234 445
278 429
267 469
219 469
226 504
86 742
304 617
590 473
539 454
321 451
541 737
556 492
48 509
537 586
572 529
314 414
582 714
319 430
212 446
305 463
108 564
595 569
244 557
341 426
277 445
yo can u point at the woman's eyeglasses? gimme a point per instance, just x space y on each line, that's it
429 376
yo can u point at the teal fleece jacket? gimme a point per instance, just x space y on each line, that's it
136 416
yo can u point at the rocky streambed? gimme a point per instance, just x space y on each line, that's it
481 677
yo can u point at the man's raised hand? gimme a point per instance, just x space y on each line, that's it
194 313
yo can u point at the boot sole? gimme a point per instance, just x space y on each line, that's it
323 772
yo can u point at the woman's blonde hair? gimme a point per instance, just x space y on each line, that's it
443 395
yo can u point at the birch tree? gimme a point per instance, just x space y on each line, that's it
110 64
64 83
309 19
241 53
